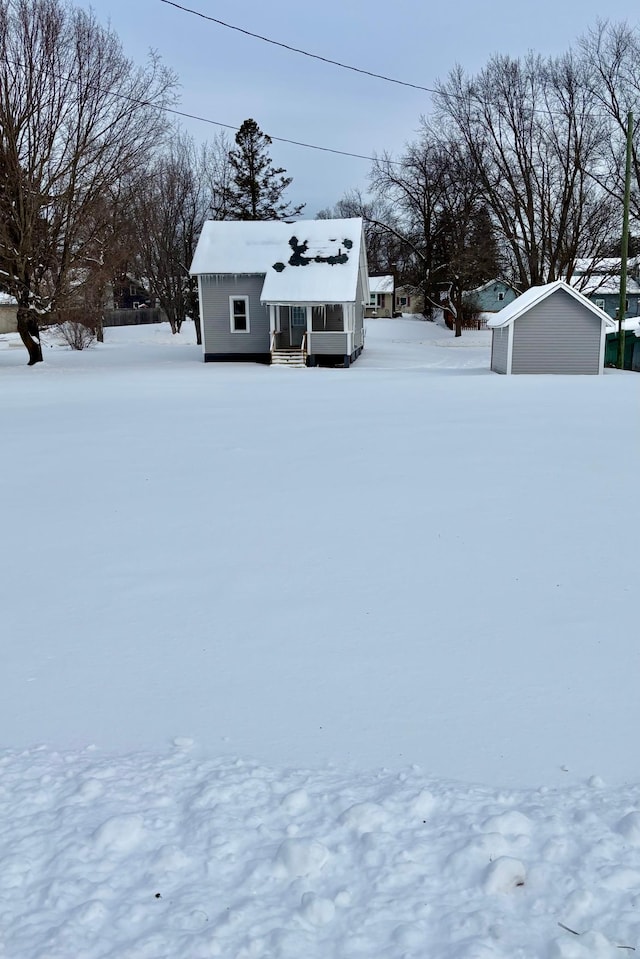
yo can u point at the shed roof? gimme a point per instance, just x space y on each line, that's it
381 284
535 295
306 261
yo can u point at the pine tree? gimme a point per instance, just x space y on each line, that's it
256 186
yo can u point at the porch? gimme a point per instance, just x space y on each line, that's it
309 331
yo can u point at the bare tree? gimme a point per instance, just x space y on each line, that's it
433 208
76 118
612 57
169 212
535 140
215 168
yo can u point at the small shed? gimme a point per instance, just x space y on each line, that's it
549 329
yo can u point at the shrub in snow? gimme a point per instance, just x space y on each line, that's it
76 334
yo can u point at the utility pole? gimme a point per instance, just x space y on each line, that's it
622 309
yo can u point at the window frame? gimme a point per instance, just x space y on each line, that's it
303 324
232 315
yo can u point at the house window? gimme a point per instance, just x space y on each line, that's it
600 304
403 301
380 299
239 314
298 316
501 296
373 300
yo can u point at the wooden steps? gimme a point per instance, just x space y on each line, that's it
292 357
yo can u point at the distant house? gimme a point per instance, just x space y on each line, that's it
408 300
599 281
276 292
130 293
549 329
8 313
491 297
380 296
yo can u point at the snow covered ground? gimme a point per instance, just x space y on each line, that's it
321 663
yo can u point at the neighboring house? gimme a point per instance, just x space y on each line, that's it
408 300
8 314
380 296
275 292
491 297
130 293
600 281
549 329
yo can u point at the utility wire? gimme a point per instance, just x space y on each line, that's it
469 96
194 116
304 53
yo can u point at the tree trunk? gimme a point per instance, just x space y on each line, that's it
196 320
99 330
30 334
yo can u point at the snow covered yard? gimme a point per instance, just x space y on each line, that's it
337 662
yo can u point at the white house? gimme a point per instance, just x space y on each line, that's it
276 292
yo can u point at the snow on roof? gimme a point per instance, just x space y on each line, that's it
318 262
603 264
381 284
305 261
7 300
536 294
485 286
598 283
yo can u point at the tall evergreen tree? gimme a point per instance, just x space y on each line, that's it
257 187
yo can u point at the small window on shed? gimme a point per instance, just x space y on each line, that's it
501 296
239 314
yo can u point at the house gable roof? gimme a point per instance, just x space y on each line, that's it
303 262
487 285
536 294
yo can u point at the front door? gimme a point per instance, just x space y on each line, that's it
297 325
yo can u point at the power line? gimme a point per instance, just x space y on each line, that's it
304 53
297 143
194 116
448 95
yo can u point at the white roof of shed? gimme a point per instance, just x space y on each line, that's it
381 284
536 294
305 262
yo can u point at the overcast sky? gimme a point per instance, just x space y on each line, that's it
228 77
